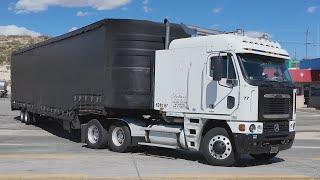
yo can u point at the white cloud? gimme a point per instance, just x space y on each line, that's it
257 34
145 6
216 10
81 13
73 29
146 9
311 9
27 6
15 30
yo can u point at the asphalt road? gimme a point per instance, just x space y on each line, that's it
45 152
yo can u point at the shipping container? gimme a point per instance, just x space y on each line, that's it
313 64
315 75
300 75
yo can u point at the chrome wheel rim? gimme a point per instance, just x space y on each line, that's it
93 134
26 117
220 147
118 136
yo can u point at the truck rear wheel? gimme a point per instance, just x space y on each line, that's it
264 156
217 149
96 137
119 137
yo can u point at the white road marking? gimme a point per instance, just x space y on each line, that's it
7 132
308 135
306 147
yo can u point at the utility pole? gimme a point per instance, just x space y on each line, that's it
318 40
307 35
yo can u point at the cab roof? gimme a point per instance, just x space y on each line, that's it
234 42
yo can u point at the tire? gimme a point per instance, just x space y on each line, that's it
119 137
96 135
22 114
218 149
28 118
264 156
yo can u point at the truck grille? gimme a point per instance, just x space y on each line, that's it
276 106
276 128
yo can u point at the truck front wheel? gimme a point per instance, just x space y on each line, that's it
96 137
119 137
264 156
217 149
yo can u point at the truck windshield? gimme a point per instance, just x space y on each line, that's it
264 68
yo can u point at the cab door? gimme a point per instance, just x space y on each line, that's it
222 96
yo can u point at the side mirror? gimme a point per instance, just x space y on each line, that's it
232 82
216 67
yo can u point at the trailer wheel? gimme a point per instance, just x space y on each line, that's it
96 135
119 137
22 114
217 148
264 156
27 118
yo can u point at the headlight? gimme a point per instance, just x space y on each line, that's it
252 128
292 126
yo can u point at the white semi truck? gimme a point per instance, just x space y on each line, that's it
222 95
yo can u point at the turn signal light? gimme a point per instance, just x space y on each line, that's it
242 127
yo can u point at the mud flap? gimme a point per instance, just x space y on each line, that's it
83 132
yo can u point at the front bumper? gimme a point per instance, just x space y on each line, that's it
262 143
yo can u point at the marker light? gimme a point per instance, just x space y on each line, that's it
252 128
242 127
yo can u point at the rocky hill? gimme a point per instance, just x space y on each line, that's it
8 44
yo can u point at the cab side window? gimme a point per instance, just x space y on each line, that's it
228 70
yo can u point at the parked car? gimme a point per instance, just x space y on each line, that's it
3 89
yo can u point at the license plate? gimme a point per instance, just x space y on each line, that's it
274 149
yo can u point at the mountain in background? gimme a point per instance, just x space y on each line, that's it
9 44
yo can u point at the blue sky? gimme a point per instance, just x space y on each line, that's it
285 20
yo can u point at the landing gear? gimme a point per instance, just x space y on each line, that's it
217 149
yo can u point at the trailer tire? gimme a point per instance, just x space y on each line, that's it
217 148
119 137
28 118
264 156
96 135
22 114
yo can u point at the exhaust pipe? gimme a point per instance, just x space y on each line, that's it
167 39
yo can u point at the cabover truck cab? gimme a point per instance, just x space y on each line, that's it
126 83
233 92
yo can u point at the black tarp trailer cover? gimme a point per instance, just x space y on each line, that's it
106 67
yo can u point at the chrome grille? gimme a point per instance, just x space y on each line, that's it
276 106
